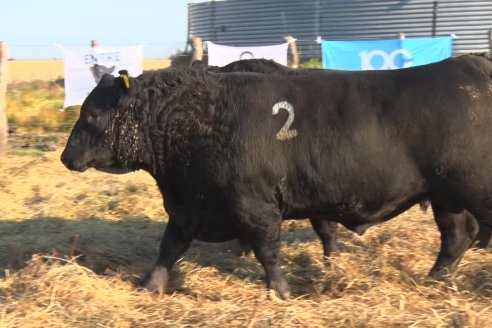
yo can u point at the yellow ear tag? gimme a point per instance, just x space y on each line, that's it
126 81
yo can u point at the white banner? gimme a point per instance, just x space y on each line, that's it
84 67
219 55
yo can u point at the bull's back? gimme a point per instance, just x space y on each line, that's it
449 100
360 137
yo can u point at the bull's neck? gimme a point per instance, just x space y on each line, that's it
192 136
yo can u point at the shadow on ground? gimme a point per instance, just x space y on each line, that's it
129 247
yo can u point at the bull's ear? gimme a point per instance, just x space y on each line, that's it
124 77
126 82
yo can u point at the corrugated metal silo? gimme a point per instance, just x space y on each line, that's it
257 22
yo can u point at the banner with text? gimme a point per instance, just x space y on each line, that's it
384 54
219 55
85 66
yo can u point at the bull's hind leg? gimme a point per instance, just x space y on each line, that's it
173 244
265 241
327 233
266 248
458 233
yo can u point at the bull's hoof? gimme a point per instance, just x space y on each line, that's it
483 238
332 251
277 297
483 244
156 280
279 291
440 274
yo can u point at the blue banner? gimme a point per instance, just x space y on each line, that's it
384 54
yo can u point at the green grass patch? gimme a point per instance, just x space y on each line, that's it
312 63
36 106
25 152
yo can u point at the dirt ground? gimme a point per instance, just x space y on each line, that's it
73 246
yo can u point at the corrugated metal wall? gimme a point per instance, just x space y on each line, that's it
257 22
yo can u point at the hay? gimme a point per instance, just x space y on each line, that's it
49 280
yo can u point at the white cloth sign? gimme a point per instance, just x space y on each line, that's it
219 55
84 67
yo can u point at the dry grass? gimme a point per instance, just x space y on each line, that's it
378 281
35 95
51 70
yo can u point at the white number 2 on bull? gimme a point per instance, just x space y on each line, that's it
285 133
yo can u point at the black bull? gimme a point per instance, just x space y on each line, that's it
233 154
327 230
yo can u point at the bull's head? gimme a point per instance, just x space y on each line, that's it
107 135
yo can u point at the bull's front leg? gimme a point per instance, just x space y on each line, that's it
458 233
173 244
327 233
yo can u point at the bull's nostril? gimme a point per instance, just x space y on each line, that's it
63 159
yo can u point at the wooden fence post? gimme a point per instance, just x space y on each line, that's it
197 46
4 131
293 51
490 41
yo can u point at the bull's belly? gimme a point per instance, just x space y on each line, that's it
214 235
361 196
358 215
207 226
358 221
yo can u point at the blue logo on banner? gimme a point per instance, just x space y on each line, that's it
384 54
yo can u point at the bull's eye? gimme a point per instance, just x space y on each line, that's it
93 116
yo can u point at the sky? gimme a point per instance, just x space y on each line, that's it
32 27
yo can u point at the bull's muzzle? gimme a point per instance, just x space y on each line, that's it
71 163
